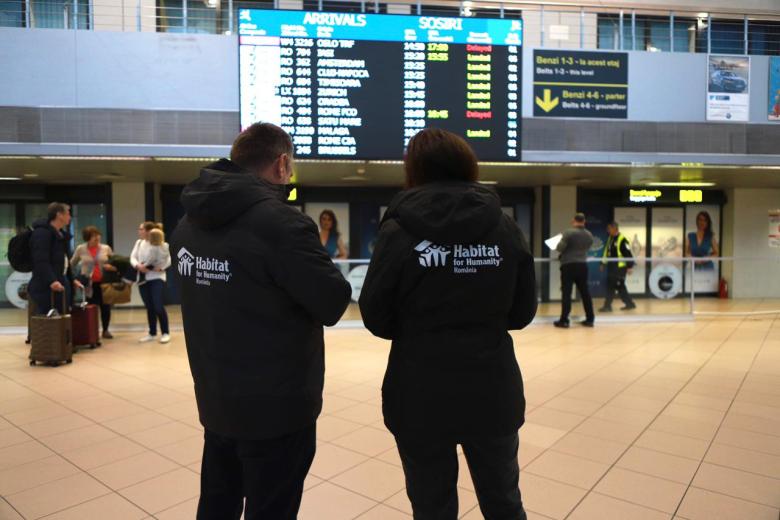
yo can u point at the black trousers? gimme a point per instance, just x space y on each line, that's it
431 470
269 474
616 282
571 275
97 299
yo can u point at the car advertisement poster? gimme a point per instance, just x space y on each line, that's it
774 88
728 88
580 84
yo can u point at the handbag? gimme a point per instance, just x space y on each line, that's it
114 293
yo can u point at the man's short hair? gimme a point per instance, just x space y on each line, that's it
614 224
259 146
55 208
579 217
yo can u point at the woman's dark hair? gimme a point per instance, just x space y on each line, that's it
708 229
438 155
88 232
335 229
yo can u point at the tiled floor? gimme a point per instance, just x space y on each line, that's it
626 421
133 317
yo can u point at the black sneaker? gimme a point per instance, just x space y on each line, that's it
561 324
628 307
606 309
586 323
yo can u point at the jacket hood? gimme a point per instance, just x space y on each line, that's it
223 192
41 222
447 212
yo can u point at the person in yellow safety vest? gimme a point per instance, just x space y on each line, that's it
617 247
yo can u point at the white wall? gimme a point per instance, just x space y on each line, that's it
129 210
96 69
755 278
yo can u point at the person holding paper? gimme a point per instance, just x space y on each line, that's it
573 248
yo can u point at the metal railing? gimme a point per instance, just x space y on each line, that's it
586 27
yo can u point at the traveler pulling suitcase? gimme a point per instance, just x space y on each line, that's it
51 337
86 329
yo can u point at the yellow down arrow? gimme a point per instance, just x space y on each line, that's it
549 102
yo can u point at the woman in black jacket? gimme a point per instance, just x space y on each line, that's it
450 275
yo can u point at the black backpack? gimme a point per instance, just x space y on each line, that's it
19 252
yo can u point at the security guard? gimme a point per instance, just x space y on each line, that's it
617 247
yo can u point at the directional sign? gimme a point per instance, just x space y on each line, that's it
580 84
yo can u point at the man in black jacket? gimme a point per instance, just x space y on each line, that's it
256 288
49 245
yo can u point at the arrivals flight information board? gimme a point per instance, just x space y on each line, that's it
358 86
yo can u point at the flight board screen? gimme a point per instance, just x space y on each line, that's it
358 86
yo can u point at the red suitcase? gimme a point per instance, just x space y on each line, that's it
86 328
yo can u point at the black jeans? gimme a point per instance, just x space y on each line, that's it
571 275
616 282
431 470
152 295
97 299
269 474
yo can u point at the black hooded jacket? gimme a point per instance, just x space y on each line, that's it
50 253
450 274
256 288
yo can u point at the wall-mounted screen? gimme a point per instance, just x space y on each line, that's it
358 86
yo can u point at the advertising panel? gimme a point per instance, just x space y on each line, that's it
728 88
774 89
580 84
666 274
633 226
702 229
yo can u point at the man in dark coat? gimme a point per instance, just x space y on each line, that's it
256 287
49 247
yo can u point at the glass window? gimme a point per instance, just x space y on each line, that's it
12 13
728 37
33 212
88 215
59 14
608 29
203 16
684 35
764 37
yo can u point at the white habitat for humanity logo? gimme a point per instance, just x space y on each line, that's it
186 261
465 258
432 255
206 269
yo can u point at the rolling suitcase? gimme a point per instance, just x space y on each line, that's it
86 329
51 337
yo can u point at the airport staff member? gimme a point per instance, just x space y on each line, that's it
574 247
257 287
617 247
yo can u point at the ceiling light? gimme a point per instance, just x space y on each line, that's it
491 183
10 179
30 175
94 158
702 184
354 178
